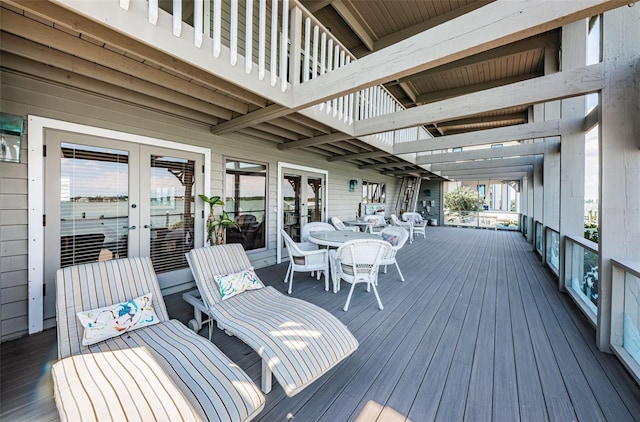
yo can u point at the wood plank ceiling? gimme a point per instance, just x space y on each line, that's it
92 58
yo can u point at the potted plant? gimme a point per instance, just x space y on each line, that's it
216 228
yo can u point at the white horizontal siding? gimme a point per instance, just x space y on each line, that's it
21 95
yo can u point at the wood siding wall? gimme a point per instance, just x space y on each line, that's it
435 195
23 95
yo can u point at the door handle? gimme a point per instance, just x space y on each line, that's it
131 227
147 226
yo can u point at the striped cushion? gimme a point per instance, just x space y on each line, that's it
298 340
160 372
213 386
95 285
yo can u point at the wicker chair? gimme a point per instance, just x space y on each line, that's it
302 258
379 222
316 226
397 237
339 225
419 224
407 225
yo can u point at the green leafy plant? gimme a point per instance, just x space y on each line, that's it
462 199
216 227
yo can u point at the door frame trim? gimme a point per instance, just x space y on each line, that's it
36 172
282 165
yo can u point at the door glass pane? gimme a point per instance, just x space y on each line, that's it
94 204
172 211
314 199
246 202
291 205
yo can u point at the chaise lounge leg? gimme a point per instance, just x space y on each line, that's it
266 377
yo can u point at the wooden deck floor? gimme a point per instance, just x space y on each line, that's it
477 332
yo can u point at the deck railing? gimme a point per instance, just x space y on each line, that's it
499 220
552 246
625 321
538 229
287 45
581 273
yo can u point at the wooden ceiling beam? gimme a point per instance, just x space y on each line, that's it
521 132
570 83
322 139
431 97
484 164
545 40
522 150
494 176
356 22
488 171
390 164
273 111
497 118
491 26
360 156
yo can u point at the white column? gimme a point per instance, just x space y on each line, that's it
538 197
574 49
619 205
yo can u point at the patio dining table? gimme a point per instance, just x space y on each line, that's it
338 237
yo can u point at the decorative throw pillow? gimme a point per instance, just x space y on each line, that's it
391 238
112 321
236 283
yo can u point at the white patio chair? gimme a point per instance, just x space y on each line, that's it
407 225
397 237
379 222
301 258
316 226
357 261
419 223
339 225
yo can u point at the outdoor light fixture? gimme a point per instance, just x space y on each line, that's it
352 185
11 129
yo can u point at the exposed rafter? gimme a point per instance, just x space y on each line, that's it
542 129
559 85
390 164
308 142
360 156
355 22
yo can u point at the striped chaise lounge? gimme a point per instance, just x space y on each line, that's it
297 341
157 372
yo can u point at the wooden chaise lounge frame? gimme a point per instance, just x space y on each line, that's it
297 341
159 372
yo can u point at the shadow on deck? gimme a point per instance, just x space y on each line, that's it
477 332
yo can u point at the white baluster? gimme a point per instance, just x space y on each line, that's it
124 4
274 42
262 43
329 66
207 17
347 99
323 58
177 17
248 41
284 46
198 7
153 11
217 27
314 71
307 50
336 64
233 34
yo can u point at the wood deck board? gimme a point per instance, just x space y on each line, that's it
463 338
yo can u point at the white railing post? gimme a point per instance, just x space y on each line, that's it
217 27
284 45
233 34
314 70
124 4
262 42
177 17
153 11
248 36
273 65
307 49
296 45
197 22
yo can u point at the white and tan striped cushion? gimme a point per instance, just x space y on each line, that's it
213 386
299 341
95 285
160 372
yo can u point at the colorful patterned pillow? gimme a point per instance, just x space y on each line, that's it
112 321
391 238
233 284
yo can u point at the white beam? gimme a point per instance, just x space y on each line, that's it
359 156
492 176
486 153
483 137
491 26
484 164
489 171
559 85
318 140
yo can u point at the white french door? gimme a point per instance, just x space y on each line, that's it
106 199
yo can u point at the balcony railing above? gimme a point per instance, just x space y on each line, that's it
269 47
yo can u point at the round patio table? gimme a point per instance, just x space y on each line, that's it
338 237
